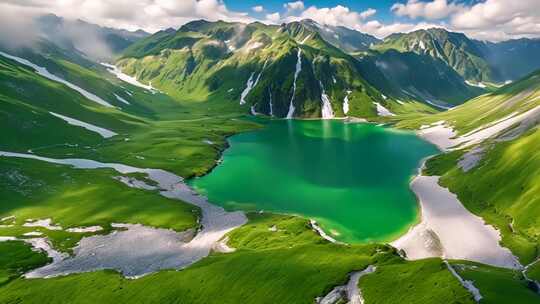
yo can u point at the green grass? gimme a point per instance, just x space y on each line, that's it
425 281
16 258
255 273
169 134
497 285
504 189
292 265
74 197
534 271
518 96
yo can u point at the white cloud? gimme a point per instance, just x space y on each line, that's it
294 6
273 18
489 19
343 16
368 13
436 9
151 15
381 30
338 15
485 19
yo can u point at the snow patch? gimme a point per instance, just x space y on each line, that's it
461 234
7 238
43 244
444 136
470 159
74 122
43 72
469 285
33 233
437 105
305 39
126 78
253 46
321 232
45 223
349 293
121 99
85 229
479 84
382 111
143 250
222 246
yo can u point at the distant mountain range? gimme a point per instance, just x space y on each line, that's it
476 61
299 69
95 41
255 64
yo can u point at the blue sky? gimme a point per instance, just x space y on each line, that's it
382 6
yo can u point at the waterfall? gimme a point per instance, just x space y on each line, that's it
326 109
249 86
296 73
271 105
346 103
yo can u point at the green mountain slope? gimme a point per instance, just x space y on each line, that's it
341 37
498 178
253 66
199 65
409 75
455 49
513 59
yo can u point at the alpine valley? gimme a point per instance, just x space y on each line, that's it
228 162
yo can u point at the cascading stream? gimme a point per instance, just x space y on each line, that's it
296 73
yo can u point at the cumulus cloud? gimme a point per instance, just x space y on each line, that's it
22 28
151 15
17 28
368 13
294 6
273 18
344 16
483 19
258 8
338 15
437 9
489 19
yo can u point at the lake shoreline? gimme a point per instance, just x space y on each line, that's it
333 226
447 229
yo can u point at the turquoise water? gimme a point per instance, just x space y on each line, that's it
352 178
